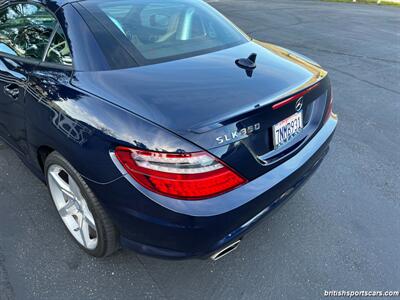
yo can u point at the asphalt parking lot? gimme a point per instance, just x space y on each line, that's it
340 232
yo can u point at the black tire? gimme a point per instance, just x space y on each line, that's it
107 234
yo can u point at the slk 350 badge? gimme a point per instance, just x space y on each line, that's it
238 134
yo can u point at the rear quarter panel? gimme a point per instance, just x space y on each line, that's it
85 128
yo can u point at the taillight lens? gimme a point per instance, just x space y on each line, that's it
186 176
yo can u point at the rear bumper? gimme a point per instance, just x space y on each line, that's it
160 226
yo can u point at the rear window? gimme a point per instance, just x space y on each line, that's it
165 30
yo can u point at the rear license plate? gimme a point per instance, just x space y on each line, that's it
285 130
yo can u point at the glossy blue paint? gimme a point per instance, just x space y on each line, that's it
242 195
86 111
212 80
181 229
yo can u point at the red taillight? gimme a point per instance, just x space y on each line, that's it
187 176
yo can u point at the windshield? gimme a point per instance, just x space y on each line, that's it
165 30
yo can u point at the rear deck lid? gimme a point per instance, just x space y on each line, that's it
219 106
197 95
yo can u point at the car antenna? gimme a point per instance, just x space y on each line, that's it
249 64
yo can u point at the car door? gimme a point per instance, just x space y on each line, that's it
25 32
49 84
12 90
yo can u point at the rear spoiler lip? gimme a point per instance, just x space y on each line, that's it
295 97
204 128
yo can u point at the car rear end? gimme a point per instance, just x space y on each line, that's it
178 220
162 226
255 135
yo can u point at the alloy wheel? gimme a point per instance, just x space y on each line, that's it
72 207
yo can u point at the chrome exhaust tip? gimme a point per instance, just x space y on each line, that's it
225 251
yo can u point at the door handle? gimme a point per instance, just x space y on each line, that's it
12 90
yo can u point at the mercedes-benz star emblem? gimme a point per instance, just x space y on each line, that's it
299 104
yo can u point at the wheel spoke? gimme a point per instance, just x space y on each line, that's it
72 206
90 221
63 186
88 215
84 231
64 210
74 188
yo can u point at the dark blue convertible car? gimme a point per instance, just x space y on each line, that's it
157 125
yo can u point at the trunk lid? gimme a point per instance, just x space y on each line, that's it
208 98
